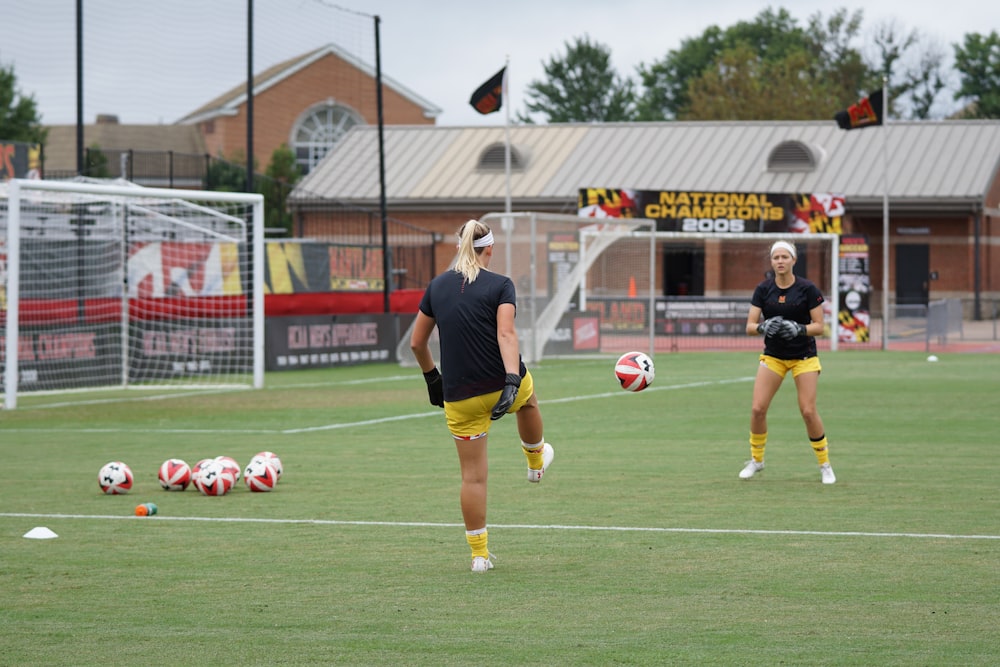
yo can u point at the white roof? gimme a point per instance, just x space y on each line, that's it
931 165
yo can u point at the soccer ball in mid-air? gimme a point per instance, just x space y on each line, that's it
634 371
115 478
260 475
215 479
175 475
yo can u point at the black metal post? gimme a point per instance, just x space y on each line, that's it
249 95
386 259
79 87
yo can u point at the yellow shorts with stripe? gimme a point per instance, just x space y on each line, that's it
796 366
469 419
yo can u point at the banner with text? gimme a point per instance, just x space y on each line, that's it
718 212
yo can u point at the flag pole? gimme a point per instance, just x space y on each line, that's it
507 222
506 131
885 214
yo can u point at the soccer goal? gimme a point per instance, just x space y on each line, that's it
605 286
115 285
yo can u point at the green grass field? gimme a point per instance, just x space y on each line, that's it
640 546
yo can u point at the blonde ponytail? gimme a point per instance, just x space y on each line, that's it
470 234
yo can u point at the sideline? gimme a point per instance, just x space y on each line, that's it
427 524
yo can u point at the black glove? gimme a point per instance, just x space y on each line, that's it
435 388
507 397
790 330
770 326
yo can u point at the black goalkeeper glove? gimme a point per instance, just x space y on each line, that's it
507 397
771 326
435 387
790 330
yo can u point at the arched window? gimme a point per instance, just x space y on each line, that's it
318 130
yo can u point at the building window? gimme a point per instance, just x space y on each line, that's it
318 131
494 158
794 156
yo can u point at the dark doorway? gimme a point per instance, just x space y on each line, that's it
912 272
683 271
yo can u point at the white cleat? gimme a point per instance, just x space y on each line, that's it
751 468
826 471
481 565
548 454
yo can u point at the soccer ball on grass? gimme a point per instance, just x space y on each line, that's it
115 478
260 475
175 475
215 479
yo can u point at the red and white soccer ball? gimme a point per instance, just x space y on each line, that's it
115 478
272 459
229 463
196 470
215 479
634 371
260 475
175 475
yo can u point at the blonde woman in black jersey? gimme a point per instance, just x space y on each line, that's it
482 377
787 310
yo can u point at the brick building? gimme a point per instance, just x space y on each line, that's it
307 103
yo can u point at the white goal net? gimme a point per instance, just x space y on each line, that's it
115 285
605 286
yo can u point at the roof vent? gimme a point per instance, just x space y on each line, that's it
793 156
492 158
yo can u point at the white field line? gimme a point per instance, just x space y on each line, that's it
366 422
429 524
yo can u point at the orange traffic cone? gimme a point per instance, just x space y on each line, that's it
631 287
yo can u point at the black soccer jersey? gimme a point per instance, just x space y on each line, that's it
466 317
793 303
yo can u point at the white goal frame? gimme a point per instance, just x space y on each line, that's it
21 193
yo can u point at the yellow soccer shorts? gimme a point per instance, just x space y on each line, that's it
469 419
796 366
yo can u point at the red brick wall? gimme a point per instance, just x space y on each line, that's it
277 108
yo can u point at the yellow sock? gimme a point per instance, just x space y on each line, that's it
757 442
477 542
821 449
534 455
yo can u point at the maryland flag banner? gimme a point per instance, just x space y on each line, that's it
866 112
489 96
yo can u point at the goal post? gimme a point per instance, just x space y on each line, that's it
119 286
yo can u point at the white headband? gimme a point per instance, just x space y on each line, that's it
784 245
487 240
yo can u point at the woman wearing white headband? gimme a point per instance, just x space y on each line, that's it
788 311
484 377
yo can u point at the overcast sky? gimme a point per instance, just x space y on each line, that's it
154 61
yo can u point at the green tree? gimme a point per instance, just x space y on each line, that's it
912 66
228 175
280 177
96 162
581 87
766 69
802 76
771 36
978 61
19 119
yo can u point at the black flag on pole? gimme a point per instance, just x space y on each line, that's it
866 112
489 96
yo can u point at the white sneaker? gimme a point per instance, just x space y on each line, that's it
751 468
547 455
481 565
826 471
